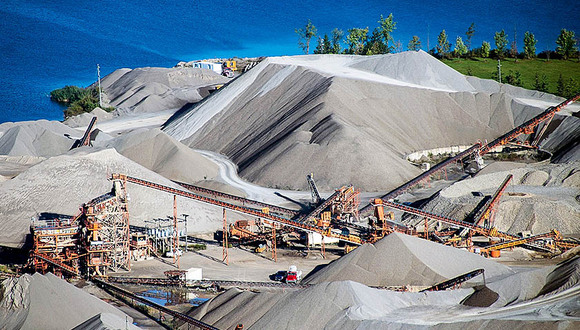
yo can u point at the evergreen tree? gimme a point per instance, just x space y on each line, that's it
304 36
485 49
335 44
443 45
514 79
414 44
541 83
324 46
514 46
566 44
460 48
386 27
501 42
356 38
375 44
530 45
470 32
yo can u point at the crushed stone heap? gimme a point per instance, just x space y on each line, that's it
62 184
148 89
350 119
48 302
400 259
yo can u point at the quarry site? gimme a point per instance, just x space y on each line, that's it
301 192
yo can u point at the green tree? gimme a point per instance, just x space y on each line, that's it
336 38
68 94
530 45
414 44
356 38
566 44
485 49
514 46
324 46
501 43
470 32
375 44
541 83
513 78
304 35
443 45
386 27
567 89
460 48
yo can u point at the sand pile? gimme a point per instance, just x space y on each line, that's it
566 275
106 321
61 184
320 306
399 259
351 305
48 302
540 198
161 153
155 89
84 119
41 138
349 119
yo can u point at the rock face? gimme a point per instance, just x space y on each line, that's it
349 119
399 260
154 89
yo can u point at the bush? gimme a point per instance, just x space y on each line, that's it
80 100
68 94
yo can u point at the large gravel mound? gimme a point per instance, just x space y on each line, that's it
155 89
349 119
161 153
41 138
399 259
351 305
61 184
48 302
540 198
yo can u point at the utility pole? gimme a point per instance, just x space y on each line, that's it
428 49
99 79
499 70
185 220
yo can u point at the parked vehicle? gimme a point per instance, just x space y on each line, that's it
293 275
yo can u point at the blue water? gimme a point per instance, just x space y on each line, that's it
48 44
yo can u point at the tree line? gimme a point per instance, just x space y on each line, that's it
363 41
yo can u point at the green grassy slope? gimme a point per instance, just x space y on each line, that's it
484 68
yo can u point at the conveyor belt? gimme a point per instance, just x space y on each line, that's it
186 318
485 231
243 209
244 201
401 189
524 128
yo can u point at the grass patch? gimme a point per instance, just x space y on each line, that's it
486 68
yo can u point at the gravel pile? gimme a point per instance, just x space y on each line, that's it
540 198
400 259
161 153
288 116
155 89
61 184
41 138
48 302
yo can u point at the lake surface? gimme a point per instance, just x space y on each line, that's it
49 44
